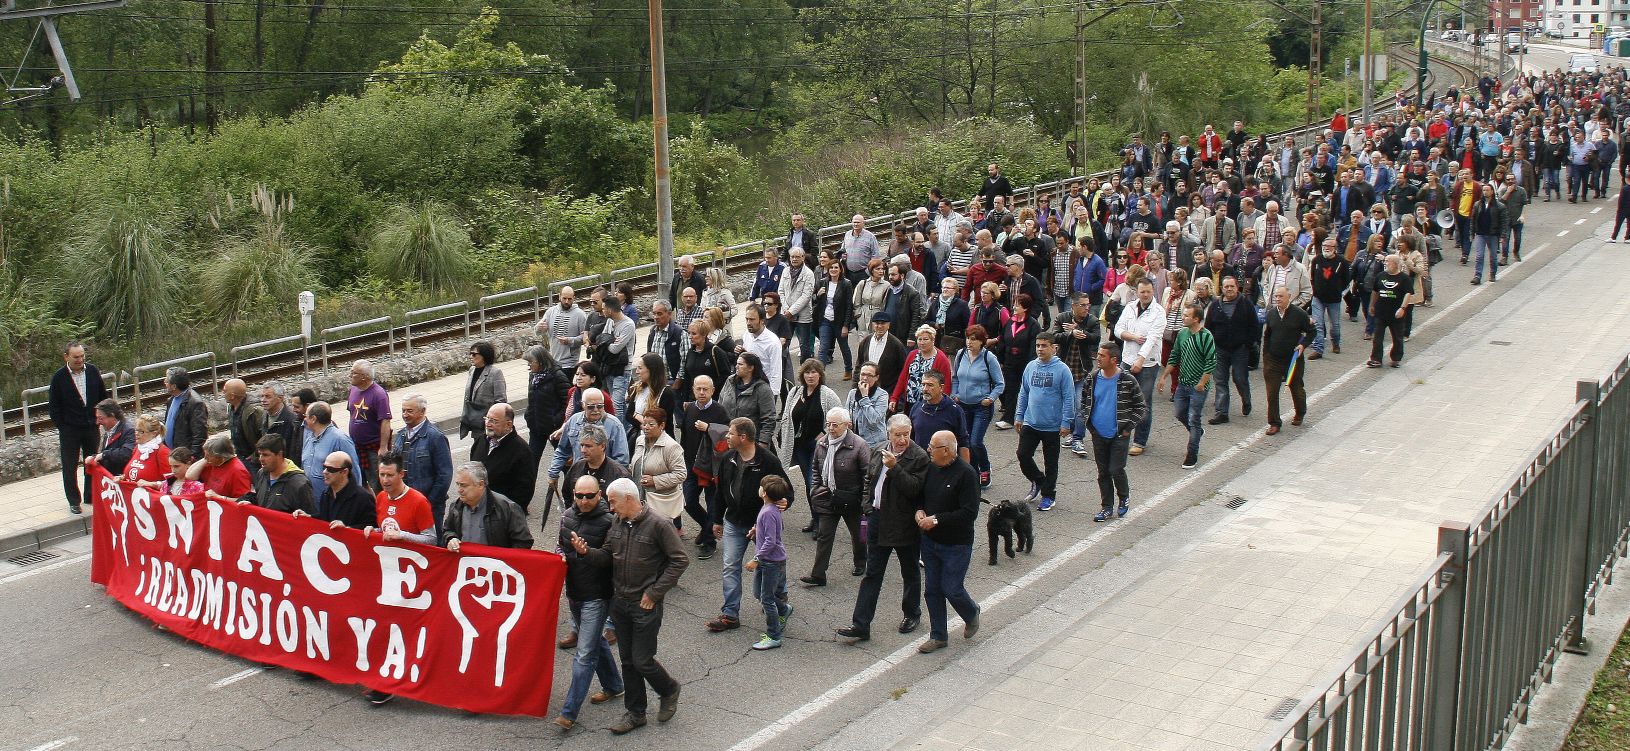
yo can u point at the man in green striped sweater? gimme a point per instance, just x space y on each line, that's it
1194 356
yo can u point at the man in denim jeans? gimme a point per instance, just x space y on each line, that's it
740 472
588 591
1194 357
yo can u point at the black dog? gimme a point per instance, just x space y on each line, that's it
1006 518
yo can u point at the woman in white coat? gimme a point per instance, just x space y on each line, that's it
658 466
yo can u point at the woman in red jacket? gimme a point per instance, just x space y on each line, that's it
151 460
908 390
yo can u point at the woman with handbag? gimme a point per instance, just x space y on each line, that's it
976 384
484 389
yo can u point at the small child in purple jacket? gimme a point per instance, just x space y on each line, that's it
770 561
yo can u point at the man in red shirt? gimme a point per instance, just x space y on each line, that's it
404 514
223 475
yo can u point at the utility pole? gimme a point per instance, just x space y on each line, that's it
47 20
1314 66
1369 61
1079 159
212 64
659 132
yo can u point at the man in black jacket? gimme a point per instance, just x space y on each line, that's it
507 458
892 496
186 421
740 471
482 516
1288 332
702 359
686 275
588 593
344 501
280 417
280 485
1075 332
1231 319
950 508
75 389
665 337
702 418
884 349
120 441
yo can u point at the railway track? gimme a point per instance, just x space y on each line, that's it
288 357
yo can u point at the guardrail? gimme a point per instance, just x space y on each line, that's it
738 257
305 347
407 321
1457 663
390 334
214 371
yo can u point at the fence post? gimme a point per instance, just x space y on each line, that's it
1583 515
1442 694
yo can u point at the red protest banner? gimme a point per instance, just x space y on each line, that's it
473 630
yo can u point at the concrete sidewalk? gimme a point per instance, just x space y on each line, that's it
1207 629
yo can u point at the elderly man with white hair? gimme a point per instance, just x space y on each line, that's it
482 516
567 448
370 425
839 471
646 558
686 275
859 247
892 494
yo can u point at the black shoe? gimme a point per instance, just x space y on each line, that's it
853 634
628 723
1217 420
75 510
1245 409
1477 280
857 571
907 625
668 705
379 698
811 581
808 528
706 552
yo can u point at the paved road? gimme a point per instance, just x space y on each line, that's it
84 673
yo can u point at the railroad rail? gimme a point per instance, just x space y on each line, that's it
288 356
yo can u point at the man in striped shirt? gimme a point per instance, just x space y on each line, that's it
1194 356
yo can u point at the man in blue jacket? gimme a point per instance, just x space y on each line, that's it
1045 414
427 456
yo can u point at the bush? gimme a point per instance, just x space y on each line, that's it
265 266
713 185
122 274
424 244
521 227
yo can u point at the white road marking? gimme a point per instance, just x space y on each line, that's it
1563 232
238 676
58 743
45 568
1581 221
1596 210
838 692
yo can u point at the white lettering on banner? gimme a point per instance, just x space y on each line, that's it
363 629
288 626
215 511
211 600
248 617
495 582
313 567
231 607
395 662
142 501
316 632
398 581
114 499
257 548
179 522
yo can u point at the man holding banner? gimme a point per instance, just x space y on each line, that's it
482 516
280 485
646 557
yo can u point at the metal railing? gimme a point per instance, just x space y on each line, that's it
407 321
214 371
1459 660
390 334
741 256
305 347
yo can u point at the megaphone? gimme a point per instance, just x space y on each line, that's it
1445 218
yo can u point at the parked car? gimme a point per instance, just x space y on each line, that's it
1583 63
1553 33
1515 43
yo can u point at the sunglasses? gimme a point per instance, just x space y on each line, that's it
594 406
331 470
585 496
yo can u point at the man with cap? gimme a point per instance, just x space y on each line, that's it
882 349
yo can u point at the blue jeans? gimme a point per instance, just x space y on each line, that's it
804 334
976 420
1232 364
1577 174
1191 402
734 545
593 657
945 567
1063 303
619 390
1327 320
830 331
803 456
1146 384
1512 242
1488 246
1553 181
770 586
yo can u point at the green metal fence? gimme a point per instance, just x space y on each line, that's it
1457 663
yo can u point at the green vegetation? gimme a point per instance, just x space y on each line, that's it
1605 723
390 157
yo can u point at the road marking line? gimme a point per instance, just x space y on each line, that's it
58 743
238 676
1563 232
836 693
48 567
1581 221
1596 210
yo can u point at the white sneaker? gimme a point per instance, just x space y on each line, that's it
1004 425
